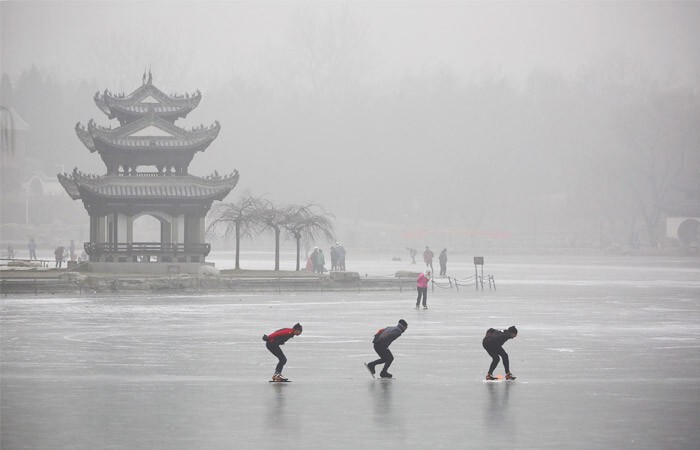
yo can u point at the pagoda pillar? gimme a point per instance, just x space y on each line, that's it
130 229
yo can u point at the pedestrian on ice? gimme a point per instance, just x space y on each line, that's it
273 342
422 286
443 262
382 340
428 258
493 344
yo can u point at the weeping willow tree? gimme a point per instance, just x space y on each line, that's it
308 222
241 219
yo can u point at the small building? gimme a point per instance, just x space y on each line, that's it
147 159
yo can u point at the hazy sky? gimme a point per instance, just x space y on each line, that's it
219 39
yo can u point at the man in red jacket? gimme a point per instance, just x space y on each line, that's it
273 342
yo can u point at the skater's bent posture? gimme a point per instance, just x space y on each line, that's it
382 340
493 344
422 286
273 342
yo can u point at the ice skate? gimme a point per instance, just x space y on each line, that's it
386 375
279 377
509 376
371 369
489 377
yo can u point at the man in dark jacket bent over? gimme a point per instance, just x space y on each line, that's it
382 340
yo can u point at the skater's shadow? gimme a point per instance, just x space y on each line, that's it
277 415
497 413
384 412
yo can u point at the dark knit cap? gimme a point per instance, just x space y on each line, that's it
403 322
297 327
513 330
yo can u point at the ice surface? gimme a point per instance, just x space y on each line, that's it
608 356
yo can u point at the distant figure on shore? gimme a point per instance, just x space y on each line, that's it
10 252
428 258
58 253
443 262
413 252
341 256
320 261
31 246
334 259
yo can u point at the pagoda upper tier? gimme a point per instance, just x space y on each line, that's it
148 141
145 100
103 194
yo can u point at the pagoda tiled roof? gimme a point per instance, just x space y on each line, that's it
145 100
148 186
135 135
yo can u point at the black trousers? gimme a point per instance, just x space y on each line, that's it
277 351
422 292
496 352
385 357
443 268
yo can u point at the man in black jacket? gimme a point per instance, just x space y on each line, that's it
493 344
382 340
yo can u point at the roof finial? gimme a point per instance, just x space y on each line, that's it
143 79
150 76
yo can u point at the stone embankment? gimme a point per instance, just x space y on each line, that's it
61 282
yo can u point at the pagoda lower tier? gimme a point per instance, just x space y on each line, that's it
180 203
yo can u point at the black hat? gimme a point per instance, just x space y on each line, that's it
513 330
297 327
403 322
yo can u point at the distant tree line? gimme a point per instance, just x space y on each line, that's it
474 151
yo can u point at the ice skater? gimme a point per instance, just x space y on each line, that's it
273 342
493 344
422 287
382 340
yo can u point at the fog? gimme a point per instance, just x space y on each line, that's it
486 119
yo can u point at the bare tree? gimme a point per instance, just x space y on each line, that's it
242 218
656 135
272 217
302 222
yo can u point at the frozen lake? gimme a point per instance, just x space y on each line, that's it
608 356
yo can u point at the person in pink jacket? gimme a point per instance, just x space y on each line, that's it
422 282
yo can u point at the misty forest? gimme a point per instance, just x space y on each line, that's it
597 157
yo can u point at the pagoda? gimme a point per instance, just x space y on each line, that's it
147 158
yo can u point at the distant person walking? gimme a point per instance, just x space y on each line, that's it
58 253
382 340
273 342
10 252
422 286
443 262
31 246
493 344
412 252
428 258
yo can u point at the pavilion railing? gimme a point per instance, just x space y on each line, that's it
145 248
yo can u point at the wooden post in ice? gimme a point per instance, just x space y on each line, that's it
478 261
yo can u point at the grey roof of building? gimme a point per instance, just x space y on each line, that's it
133 104
164 186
